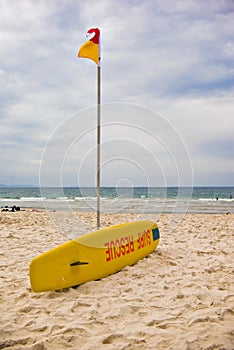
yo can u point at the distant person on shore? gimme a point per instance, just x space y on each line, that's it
13 209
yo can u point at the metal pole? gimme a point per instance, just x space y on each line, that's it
98 141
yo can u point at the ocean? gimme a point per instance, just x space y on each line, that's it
208 200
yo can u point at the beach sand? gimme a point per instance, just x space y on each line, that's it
180 297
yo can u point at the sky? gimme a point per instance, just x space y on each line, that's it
167 79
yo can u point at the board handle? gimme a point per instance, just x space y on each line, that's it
79 263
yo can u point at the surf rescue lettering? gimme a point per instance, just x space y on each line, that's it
119 247
144 239
125 245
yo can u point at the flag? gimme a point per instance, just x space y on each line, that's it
90 49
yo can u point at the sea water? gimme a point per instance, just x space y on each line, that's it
122 199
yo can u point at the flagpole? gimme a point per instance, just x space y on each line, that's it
98 140
91 49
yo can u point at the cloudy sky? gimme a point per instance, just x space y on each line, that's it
167 92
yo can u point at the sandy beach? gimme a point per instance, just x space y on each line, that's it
180 297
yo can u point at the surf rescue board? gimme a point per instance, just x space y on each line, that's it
93 256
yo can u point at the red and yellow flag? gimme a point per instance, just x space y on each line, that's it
90 49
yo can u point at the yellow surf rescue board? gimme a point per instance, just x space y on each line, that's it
93 256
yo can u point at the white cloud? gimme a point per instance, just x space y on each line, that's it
175 58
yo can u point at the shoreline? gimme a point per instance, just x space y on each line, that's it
132 206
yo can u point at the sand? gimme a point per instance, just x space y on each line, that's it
180 297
